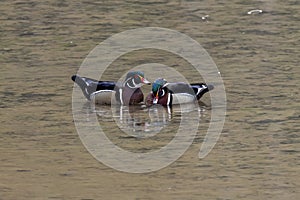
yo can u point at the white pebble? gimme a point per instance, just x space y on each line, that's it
257 11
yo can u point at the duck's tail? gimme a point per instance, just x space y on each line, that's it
84 85
201 88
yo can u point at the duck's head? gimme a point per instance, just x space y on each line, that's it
158 89
135 79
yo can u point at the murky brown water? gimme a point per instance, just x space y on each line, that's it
257 156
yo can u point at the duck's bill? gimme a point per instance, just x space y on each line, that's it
155 99
145 81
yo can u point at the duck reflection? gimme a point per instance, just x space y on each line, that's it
141 121
158 118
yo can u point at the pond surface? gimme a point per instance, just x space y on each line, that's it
43 43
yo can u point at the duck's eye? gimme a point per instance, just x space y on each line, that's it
161 93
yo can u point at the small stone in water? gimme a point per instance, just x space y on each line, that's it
257 11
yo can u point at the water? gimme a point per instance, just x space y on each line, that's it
44 42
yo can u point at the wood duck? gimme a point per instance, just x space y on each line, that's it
107 92
168 94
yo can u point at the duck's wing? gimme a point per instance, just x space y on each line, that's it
197 89
180 87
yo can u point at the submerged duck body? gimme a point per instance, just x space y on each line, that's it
109 92
168 94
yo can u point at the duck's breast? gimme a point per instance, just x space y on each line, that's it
132 96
